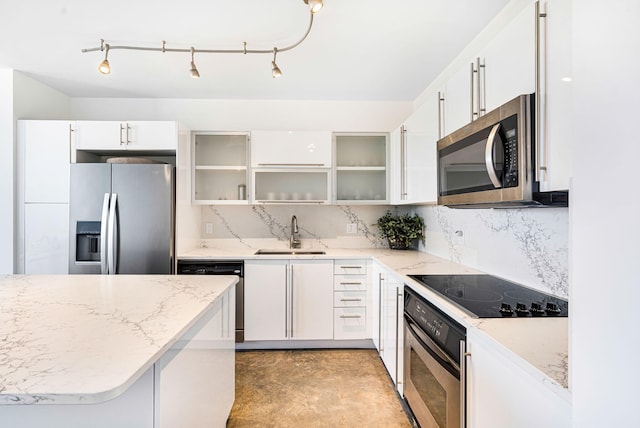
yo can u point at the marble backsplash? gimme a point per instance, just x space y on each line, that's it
528 246
320 226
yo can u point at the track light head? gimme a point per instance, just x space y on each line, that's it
275 70
194 71
314 5
104 66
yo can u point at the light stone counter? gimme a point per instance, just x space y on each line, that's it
69 339
539 346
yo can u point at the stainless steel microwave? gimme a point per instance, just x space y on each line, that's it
490 162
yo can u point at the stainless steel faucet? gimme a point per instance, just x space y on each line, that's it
294 239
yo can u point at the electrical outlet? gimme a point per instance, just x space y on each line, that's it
208 228
352 228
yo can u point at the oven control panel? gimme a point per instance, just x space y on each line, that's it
437 325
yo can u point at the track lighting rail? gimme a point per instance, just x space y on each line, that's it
105 68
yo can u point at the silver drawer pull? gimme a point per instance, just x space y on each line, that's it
350 267
351 283
351 300
350 316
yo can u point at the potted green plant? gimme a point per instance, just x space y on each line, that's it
400 231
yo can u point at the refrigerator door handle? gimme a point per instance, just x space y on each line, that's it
112 258
103 234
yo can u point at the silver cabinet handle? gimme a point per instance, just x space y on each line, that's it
284 201
351 300
112 261
440 115
481 83
488 155
380 280
403 163
291 317
350 316
291 164
541 99
351 283
103 235
128 128
286 300
121 139
350 267
472 93
463 382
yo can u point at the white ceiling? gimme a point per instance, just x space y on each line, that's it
357 49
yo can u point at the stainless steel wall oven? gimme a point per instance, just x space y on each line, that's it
434 346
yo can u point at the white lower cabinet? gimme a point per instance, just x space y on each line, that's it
195 379
46 238
350 297
500 394
390 291
288 299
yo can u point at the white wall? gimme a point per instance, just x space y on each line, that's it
249 115
605 213
6 170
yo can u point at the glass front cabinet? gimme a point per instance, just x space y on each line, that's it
360 168
220 173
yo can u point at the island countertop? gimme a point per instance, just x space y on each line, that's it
69 339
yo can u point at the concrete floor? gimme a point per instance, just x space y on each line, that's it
314 388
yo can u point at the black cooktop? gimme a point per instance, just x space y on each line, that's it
485 296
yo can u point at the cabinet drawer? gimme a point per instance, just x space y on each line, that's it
349 323
349 282
350 267
349 298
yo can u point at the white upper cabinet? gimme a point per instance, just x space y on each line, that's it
360 168
134 135
555 99
276 149
507 63
46 146
458 100
414 156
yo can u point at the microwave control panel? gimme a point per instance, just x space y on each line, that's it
510 178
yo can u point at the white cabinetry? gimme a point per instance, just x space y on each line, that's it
290 185
414 165
502 395
195 379
43 196
134 135
220 174
556 106
291 149
350 286
360 168
390 290
509 62
458 100
288 299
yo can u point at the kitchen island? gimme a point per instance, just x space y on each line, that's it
117 350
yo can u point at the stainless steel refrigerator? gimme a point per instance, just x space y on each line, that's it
122 218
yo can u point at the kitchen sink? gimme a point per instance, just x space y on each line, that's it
292 252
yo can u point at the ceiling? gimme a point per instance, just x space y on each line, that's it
357 49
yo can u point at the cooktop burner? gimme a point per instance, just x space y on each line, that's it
486 296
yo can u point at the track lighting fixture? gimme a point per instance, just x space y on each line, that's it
275 70
314 5
105 68
194 70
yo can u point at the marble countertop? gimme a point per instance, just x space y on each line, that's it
539 346
86 338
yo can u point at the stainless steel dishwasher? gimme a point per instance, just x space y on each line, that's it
221 267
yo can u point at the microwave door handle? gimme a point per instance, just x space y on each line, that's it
488 155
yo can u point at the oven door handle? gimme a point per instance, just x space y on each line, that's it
431 347
488 155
